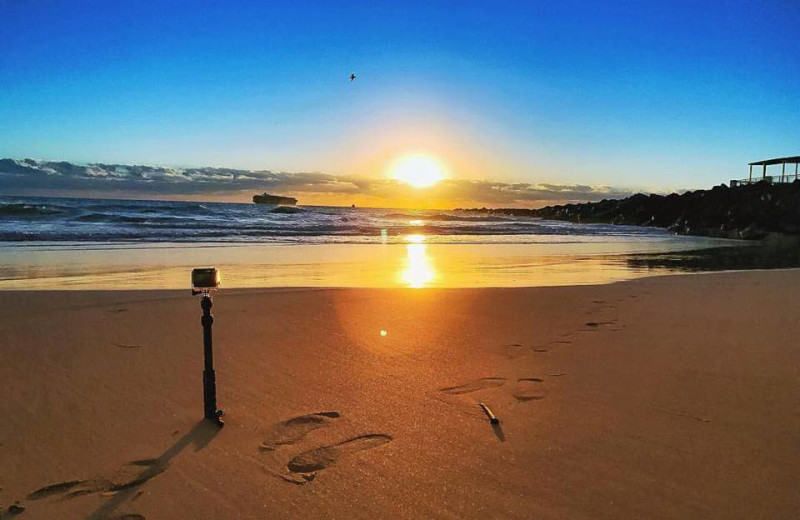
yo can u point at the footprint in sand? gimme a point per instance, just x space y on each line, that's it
565 339
72 489
292 430
513 350
528 389
598 324
306 464
126 346
13 510
474 386
128 476
54 489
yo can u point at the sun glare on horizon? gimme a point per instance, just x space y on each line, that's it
419 171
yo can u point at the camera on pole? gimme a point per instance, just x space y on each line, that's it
205 280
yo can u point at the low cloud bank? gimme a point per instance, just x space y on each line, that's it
64 178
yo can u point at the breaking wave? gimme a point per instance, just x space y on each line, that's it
76 220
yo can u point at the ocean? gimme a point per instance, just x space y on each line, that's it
102 243
102 220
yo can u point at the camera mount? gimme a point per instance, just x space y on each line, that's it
209 376
203 282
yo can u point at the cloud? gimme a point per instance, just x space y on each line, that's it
510 193
64 178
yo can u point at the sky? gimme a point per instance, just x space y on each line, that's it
549 100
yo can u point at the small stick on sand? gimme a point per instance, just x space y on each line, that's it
492 418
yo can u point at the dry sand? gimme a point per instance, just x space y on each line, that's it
673 397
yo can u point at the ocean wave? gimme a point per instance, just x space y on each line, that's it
170 233
24 209
148 207
102 217
447 217
286 210
51 219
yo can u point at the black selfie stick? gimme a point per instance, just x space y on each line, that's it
209 377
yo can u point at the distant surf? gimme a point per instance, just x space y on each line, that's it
34 219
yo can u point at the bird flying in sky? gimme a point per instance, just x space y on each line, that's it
352 77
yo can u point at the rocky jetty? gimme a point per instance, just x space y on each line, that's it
748 212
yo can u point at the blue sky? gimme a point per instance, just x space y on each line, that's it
635 94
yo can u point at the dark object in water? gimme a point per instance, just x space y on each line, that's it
492 418
266 198
286 210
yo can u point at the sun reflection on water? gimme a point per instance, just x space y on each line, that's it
419 271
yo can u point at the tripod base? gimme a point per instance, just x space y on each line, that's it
210 410
217 419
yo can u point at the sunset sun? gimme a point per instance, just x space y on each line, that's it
419 171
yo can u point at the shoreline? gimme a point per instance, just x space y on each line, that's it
415 263
303 288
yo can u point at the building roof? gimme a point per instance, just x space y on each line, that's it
780 160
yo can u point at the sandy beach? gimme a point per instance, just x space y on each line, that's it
468 260
667 397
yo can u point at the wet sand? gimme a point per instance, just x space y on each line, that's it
418 261
672 397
